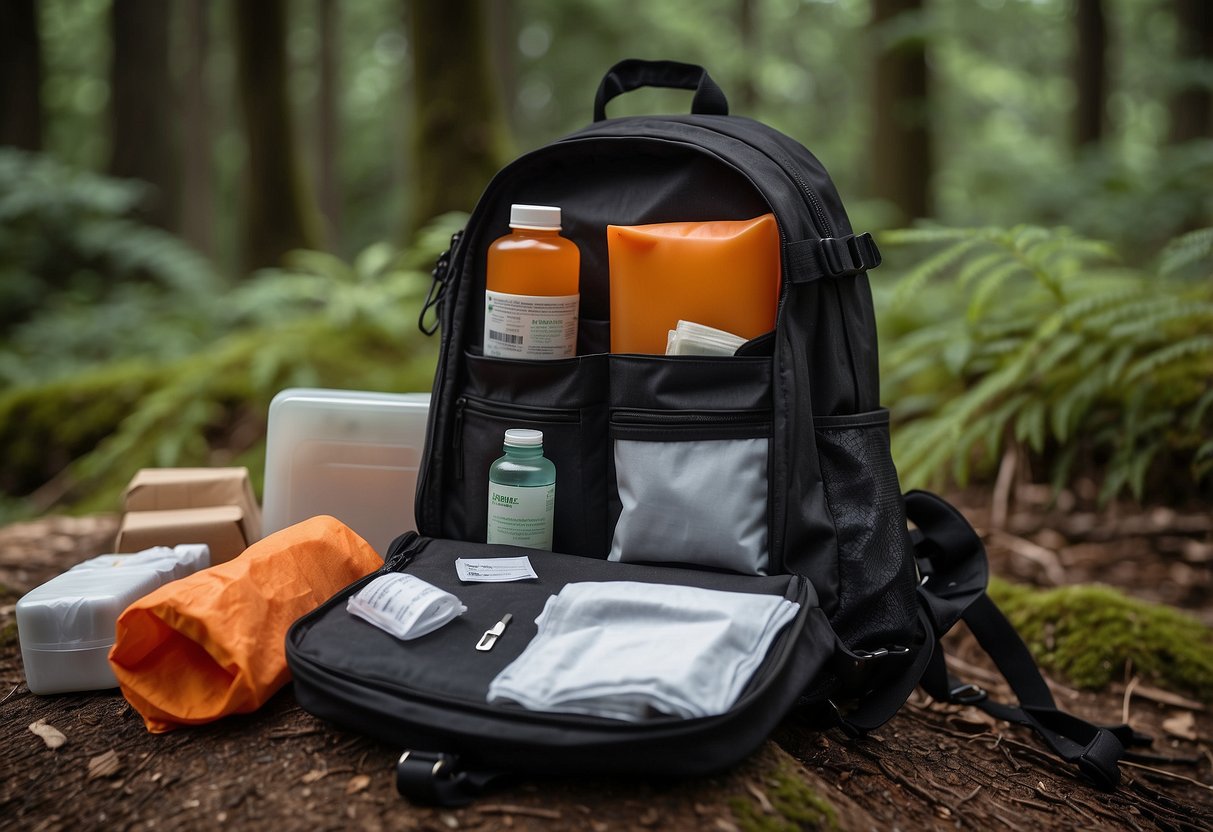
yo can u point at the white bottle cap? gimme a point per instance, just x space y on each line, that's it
535 216
524 438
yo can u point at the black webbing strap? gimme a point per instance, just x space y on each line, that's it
952 561
431 778
1095 749
810 260
880 705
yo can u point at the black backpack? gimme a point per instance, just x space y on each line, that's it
801 404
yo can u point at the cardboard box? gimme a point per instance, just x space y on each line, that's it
219 527
163 489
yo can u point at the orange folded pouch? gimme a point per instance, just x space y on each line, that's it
213 643
723 274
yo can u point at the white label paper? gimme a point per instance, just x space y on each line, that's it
404 605
494 570
530 326
521 515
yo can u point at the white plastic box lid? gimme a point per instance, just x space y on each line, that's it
347 453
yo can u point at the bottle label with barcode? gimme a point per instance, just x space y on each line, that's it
530 326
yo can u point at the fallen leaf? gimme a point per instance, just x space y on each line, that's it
312 776
358 783
1182 725
104 765
50 735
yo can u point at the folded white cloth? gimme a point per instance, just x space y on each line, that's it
631 650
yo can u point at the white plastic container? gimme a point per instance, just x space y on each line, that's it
66 626
350 454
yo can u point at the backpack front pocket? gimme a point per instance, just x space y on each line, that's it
572 439
691 444
692 488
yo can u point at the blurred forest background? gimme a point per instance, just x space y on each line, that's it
204 202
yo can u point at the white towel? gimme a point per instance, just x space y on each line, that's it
626 650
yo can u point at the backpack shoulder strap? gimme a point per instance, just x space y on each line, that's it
954 573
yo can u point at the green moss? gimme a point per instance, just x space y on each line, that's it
1088 633
8 634
797 806
44 427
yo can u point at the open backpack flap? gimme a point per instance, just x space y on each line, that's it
766 472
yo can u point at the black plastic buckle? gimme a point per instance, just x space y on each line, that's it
846 256
424 776
967 694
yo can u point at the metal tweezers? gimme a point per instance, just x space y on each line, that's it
490 636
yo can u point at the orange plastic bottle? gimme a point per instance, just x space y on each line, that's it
532 288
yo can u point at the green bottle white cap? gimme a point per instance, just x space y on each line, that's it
524 438
535 216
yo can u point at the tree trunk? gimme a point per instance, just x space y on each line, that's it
20 75
1090 72
328 119
459 132
198 172
142 105
1192 103
503 29
901 131
280 209
747 34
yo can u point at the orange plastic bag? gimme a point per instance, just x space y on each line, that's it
213 643
723 274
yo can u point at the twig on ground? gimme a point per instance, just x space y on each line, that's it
1170 775
1129 688
969 796
287 735
10 694
1046 559
509 809
1000 501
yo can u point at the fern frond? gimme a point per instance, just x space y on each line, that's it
1187 250
1152 362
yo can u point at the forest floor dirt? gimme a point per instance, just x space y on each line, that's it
933 766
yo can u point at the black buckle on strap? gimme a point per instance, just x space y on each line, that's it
967 694
846 256
426 776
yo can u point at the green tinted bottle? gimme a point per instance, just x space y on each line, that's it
522 493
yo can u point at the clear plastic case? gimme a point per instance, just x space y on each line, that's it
350 454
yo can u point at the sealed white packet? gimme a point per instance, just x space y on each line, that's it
404 605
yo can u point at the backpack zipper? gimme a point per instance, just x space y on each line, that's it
504 411
636 416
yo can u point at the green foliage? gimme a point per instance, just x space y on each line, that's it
797 806
316 322
1037 338
68 247
1089 634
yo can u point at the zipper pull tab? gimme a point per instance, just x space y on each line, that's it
457 439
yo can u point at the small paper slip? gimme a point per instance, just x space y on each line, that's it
494 570
404 605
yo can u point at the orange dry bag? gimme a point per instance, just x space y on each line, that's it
212 644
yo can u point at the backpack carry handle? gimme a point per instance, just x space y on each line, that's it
633 73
